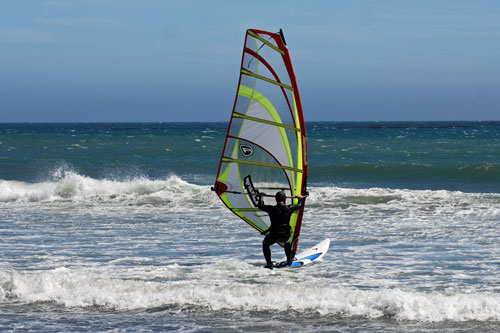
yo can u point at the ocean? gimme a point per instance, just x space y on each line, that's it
113 227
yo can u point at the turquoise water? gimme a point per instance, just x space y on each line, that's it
114 227
461 156
453 156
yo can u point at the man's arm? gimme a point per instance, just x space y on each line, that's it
265 208
261 205
299 205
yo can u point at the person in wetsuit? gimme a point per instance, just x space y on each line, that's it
279 231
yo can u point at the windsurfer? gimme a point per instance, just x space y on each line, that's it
279 231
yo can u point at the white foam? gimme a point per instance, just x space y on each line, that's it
175 194
418 202
235 286
74 188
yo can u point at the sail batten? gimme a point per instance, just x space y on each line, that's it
267 79
230 160
266 138
265 41
242 116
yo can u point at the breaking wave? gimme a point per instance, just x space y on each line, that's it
207 286
174 193
72 187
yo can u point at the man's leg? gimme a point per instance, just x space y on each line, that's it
288 252
266 248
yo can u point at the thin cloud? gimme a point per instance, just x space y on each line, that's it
77 21
21 35
58 3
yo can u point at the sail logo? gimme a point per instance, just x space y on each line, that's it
246 150
253 193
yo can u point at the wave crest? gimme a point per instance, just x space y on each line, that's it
175 194
72 187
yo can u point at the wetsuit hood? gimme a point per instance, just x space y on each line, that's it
280 196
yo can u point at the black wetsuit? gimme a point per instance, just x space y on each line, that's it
280 228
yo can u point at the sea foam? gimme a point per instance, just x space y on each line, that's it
174 193
187 287
73 187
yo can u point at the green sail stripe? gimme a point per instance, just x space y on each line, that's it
244 71
293 224
237 210
265 42
300 162
261 99
223 176
237 115
232 160
247 220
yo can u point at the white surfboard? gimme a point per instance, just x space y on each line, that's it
308 256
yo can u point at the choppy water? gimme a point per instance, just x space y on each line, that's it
114 227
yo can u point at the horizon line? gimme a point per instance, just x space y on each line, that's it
226 121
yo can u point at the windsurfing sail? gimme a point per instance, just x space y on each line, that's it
265 148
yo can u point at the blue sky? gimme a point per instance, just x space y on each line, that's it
114 60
